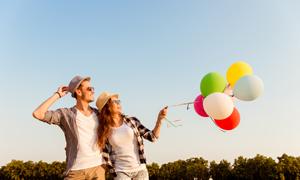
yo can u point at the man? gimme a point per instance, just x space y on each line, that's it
79 124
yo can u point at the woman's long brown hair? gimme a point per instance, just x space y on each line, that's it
105 125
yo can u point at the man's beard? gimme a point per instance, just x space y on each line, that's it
91 100
84 98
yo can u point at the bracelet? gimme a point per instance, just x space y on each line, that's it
58 94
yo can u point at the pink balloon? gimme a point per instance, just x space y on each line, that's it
198 106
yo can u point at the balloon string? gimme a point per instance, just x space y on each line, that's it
182 104
227 86
170 122
187 104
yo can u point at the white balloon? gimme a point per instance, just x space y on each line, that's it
248 88
218 106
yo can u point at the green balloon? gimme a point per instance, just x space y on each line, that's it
211 83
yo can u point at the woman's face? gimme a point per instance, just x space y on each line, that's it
115 105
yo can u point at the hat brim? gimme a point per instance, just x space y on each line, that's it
106 100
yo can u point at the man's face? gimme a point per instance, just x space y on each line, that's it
85 92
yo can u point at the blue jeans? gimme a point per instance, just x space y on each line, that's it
135 175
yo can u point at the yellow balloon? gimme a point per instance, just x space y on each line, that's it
236 71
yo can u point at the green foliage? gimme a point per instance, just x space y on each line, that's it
259 167
153 170
19 170
197 168
173 170
288 167
222 171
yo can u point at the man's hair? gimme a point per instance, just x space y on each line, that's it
75 94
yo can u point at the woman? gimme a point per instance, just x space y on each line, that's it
121 138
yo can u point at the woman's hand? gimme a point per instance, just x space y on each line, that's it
162 113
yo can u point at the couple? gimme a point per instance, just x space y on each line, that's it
100 138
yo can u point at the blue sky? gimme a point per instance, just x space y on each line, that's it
153 53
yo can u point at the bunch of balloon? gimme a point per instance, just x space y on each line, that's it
216 98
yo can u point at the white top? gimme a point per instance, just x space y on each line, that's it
89 154
125 149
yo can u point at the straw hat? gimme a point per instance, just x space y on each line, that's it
103 99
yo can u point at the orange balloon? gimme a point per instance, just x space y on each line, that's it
231 122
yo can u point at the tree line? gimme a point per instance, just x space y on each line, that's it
284 167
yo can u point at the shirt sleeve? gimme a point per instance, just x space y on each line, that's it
144 132
53 117
107 159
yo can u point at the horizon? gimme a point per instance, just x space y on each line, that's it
153 54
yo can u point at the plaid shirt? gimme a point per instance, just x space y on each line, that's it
140 132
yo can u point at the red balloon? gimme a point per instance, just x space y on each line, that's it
231 122
198 106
